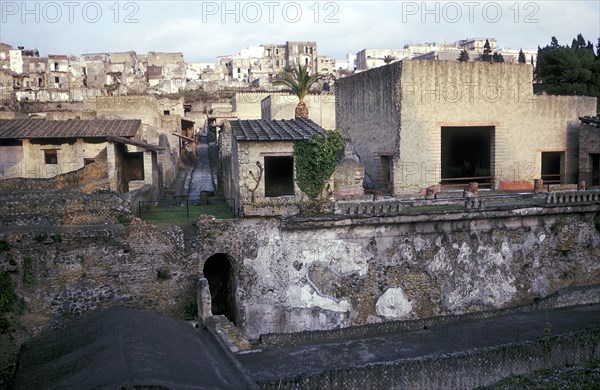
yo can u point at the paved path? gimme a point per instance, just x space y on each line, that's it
202 177
287 362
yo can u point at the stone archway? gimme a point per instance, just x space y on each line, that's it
218 271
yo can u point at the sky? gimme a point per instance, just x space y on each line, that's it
203 30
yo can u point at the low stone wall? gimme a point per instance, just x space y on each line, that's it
463 370
570 296
60 207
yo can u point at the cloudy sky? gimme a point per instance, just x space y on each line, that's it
203 30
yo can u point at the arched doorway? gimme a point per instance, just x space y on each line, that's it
219 273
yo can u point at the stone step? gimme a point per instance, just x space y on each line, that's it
230 334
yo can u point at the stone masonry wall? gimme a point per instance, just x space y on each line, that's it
314 274
368 113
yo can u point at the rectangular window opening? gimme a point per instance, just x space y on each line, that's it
279 176
50 156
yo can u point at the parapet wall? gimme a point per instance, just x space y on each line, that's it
463 370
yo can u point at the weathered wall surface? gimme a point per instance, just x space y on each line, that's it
338 276
310 275
368 113
412 100
28 160
91 177
61 273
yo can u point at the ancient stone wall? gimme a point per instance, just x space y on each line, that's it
368 113
314 274
306 276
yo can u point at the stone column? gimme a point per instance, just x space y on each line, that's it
203 300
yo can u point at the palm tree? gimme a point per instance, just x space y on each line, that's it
389 59
299 81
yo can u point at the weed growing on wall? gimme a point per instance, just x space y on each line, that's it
316 159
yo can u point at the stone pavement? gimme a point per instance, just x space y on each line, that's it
202 176
287 362
125 348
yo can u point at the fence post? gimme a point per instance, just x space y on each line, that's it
140 209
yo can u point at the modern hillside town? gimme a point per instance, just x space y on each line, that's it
284 195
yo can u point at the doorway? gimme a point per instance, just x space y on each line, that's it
218 272
552 167
467 154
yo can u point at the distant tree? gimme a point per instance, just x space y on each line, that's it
497 57
522 58
487 52
564 70
464 56
389 59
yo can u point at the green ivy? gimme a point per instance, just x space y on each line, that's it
316 159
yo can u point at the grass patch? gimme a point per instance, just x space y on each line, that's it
179 214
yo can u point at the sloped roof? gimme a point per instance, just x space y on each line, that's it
591 120
275 130
41 128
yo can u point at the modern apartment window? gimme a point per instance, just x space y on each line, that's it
50 156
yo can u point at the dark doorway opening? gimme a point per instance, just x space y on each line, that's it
279 176
385 173
467 154
552 167
133 168
218 272
595 159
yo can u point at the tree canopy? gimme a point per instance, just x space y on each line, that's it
487 52
564 70
464 56
299 80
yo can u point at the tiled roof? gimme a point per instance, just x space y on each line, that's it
41 128
275 130
591 120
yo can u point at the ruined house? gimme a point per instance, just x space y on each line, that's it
589 151
415 124
163 125
257 158
42 149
